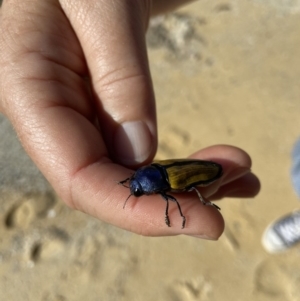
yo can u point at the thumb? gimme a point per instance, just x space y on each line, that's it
112 35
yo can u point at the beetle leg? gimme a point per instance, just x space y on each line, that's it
167 197
167 219
124 181
202 199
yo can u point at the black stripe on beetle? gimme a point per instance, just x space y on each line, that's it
178 175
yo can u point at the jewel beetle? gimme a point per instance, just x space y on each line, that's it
174 175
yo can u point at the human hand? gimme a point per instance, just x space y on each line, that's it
76 86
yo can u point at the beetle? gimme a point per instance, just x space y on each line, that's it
174 175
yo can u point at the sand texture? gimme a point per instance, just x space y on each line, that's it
224 72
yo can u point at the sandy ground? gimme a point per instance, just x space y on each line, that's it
224 72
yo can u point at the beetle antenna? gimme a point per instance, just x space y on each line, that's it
126 201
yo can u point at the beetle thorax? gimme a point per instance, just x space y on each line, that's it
148 180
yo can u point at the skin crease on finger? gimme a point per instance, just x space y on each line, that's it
50 112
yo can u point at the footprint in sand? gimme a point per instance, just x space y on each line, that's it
45 246
192 289
174 138
223 7
52 245
28 208
177 34
26 234
276 279
52 296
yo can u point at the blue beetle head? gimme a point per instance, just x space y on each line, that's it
136 188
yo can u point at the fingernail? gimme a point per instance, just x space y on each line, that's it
240 193
203 236
235 174
132 142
